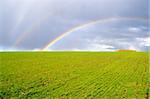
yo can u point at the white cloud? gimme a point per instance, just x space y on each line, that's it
144 41
131 47
134 29
36 49
100 47
98 44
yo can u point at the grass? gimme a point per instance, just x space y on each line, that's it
74 75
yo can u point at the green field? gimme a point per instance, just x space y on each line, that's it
74 75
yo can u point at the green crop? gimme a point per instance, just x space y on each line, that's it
74 75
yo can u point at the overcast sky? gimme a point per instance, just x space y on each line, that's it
31 24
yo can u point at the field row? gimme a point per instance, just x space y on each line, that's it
74 74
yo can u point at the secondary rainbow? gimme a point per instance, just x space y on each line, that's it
78 27
29 31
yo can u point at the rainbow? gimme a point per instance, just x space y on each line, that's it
78 27
28 31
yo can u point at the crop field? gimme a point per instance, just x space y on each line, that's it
74 75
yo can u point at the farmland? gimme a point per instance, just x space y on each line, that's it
74 75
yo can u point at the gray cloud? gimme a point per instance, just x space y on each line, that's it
43 20
108 36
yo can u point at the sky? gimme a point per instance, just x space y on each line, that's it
32 24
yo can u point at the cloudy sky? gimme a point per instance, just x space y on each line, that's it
32 24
